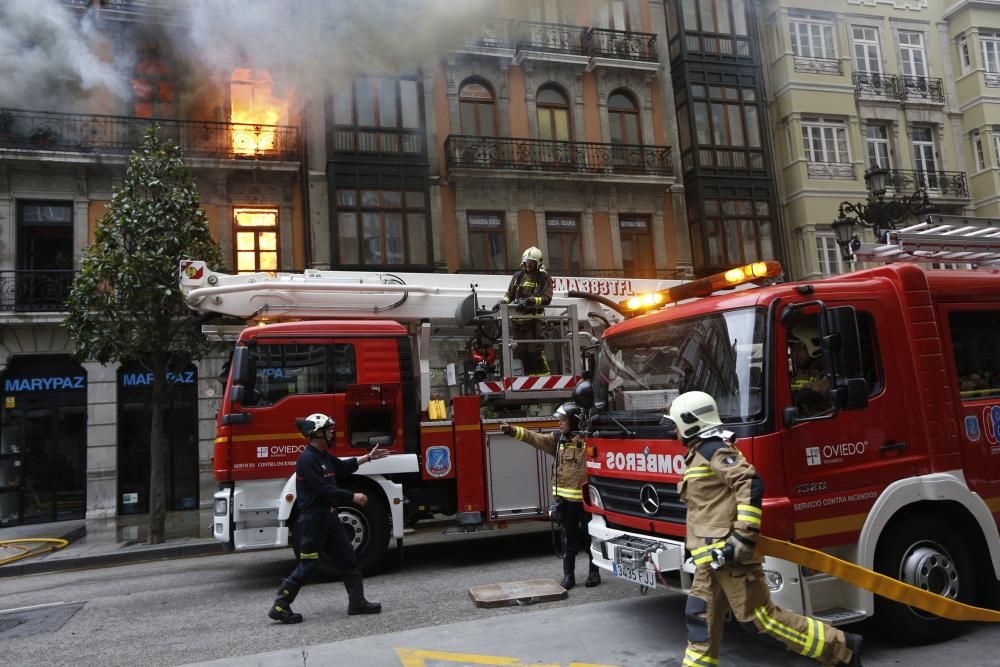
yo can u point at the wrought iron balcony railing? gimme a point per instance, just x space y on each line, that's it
601 43
553 37
875 84
119 135
936 183
35 290
493 33
511 154
921 88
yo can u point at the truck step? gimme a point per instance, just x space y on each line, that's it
464 530
839 615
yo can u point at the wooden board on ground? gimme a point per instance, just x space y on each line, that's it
517 592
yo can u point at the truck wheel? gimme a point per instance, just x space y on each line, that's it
367 530
929 556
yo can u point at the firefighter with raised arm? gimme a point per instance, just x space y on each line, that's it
530 290
319 527
569 474
724 496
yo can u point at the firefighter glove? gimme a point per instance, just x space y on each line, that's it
521 303
740 547
506 429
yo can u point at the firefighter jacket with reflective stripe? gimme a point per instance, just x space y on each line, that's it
723 495
569 470
534 287
316 476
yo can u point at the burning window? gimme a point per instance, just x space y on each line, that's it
153 85
254 108
256 231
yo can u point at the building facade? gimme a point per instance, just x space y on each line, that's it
855 84
544 125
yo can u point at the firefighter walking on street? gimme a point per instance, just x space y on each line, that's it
319 526
724 496
569 474
530 290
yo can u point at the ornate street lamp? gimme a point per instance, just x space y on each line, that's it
879 214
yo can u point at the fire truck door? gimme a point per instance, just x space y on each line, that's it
836 466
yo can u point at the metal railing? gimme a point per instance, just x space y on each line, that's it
936 183
555 37
651 274
25 290
100 134
906 88
507 153
816 65
602 43
921 88
493 33
350 139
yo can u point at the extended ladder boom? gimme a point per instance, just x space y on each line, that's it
945 239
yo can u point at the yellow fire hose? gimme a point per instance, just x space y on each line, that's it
52 544
879 584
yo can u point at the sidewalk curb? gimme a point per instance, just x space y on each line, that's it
114 558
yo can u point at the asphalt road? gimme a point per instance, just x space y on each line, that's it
211 608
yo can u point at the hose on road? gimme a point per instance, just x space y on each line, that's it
21 545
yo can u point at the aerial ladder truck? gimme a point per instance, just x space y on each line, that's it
421 364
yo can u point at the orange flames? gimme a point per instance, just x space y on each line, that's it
255 112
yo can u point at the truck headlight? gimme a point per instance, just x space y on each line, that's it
221 506
595 497
774 580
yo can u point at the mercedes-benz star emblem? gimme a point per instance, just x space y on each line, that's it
649 500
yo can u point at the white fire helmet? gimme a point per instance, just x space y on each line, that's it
694 413
571 412
314 423
808 335
532 254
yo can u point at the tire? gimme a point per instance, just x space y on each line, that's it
928 555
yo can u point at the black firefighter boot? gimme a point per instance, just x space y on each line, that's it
281 610
857 645
593 576
569 565
357 604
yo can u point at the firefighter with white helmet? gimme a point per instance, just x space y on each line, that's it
810 383
569 474
320 530
530 290
724 496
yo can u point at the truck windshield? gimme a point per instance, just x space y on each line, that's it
640 372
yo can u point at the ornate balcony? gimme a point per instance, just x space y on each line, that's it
875 85
817 65
101 135
550 41
918 88
843 171
614 47
44 291
495 37
540 156
938 184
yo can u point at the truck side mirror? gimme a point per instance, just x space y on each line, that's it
241 365
844 342
237 394
583 395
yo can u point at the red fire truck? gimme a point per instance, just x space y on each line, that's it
868 402
383 354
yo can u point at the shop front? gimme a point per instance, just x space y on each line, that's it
43 440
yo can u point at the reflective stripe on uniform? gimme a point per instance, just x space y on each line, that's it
812 642
572 494
695 659
698 471
309 556
703 555
748 513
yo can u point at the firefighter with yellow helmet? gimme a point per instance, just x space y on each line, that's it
530 290
724 497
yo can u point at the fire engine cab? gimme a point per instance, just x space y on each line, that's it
869 404
419 364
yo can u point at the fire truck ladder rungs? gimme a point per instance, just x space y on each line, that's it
939 239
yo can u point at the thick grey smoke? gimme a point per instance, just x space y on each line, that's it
50 56
56 60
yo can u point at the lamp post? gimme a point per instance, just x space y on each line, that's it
879 214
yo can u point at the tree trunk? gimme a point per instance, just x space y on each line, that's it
157 452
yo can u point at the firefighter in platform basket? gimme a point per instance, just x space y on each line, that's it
530 290
724 496
569 474
319 526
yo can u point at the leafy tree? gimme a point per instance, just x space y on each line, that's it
125 303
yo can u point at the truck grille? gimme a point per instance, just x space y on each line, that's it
623 497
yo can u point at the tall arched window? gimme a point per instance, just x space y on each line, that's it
477 108
553 114
623 118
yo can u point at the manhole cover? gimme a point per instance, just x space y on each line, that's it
28 622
